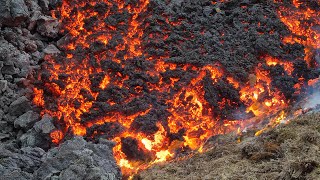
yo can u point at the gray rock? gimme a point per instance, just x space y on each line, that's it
31 46
4 136
19 10
8 77
40 45
15 174
3 85
21 60
24 72
33 5
13 12
34 18
62 42
19 163
26 120
55 3
11 36
7 53
8 69
19 106
29 139
176 2
35 139
44 4
47 26
10 119
7 61
1 114
78 159
45 125
207 11
51 50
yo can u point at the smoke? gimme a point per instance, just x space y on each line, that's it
317 57
313 100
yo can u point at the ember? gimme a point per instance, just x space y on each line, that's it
160 78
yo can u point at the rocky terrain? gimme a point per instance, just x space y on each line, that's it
27 34
228 38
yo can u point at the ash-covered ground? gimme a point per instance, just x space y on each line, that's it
234 36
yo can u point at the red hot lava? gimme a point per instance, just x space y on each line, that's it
114 81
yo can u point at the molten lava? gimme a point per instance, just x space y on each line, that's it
303 21
106 84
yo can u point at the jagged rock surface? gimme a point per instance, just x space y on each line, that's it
73 159
26 33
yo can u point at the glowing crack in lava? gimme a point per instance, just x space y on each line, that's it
112 81
303 21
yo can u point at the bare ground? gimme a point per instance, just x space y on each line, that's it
289 151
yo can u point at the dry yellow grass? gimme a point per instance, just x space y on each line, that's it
289 151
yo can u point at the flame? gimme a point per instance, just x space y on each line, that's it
82 89
273 123
105 82
163 155
288 66
258 96
38 97
56 136
313 82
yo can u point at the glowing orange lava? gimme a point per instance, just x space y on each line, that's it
302 22
86 92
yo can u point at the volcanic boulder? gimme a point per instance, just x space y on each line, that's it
78 159
3 85
48 27
26 120
19 163
19 106
13 12
73 159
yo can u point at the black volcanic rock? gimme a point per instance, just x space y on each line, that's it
19 163
19 106
26 120
74 159
78 159
186 35
132 150
3 85
13 12
45 125
48 27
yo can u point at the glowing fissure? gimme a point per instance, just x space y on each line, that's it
77 79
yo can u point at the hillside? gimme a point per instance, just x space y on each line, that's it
289 151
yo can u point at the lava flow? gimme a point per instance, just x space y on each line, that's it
160 82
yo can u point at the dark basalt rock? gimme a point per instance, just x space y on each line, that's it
25 37
45 125
78 159
26 120
19 106
131 149
48 27
232 35
13 12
